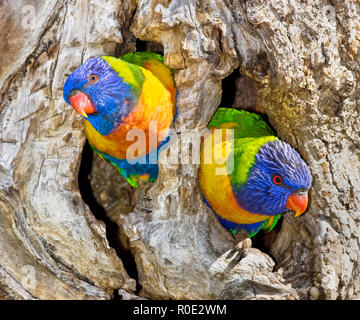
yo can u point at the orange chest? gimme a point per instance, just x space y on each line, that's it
141 131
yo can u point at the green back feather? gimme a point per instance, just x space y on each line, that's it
246 124
139 58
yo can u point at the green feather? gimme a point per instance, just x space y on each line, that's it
245 150
130 73
139 58
154 63
246 124
250 133
268 225
130 179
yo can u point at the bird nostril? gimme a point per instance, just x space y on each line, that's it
73 93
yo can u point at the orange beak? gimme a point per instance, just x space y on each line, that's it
82 104
298 203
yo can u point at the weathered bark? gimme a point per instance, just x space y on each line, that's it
304 56
45 226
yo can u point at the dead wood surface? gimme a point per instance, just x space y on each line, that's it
304 56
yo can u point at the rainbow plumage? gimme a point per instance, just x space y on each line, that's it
122 101
261 178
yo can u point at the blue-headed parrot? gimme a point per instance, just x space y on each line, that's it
266 178
118 95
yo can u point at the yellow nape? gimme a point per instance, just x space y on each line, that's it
215 182
123 70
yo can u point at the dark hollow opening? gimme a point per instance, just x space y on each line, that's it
229 89
241 92
112 229
149 46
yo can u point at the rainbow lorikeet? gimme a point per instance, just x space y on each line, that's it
133 94
262 177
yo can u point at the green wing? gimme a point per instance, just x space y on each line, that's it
130 179
245 124
140 58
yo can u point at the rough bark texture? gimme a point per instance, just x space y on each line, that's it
304 56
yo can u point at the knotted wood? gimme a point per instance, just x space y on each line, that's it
304 57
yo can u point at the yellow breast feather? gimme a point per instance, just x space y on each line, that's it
218 191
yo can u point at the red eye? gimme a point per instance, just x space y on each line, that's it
277 179
93 78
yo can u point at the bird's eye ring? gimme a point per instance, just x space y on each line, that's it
93 78
277 179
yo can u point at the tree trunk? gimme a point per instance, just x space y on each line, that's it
304 56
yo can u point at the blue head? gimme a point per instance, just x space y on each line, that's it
277 182
99 94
